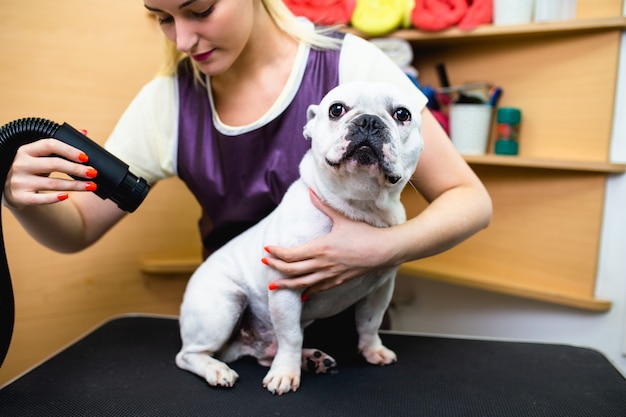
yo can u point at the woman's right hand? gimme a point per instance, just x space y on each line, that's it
29 182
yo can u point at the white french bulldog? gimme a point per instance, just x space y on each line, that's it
365 145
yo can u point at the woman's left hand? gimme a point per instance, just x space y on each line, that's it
351 249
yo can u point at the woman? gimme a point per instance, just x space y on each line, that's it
226 116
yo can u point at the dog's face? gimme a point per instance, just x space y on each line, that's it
366 131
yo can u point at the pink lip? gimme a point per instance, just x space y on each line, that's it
202 57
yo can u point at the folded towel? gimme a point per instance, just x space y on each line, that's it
480 12
323 12
398 50
434 15
379 17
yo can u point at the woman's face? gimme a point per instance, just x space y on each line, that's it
212 32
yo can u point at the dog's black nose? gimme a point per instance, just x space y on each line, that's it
369 124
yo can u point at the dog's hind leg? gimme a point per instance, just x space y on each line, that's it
207 322
369 316
314 360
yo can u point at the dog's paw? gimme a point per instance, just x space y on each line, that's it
282 382
379 356
218 374
314 360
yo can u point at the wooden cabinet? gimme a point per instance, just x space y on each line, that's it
543 242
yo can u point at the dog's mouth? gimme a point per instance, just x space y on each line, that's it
366 154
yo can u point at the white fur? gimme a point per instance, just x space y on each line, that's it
214 328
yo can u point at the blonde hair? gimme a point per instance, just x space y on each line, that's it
283 17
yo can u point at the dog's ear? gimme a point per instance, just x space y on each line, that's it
311 113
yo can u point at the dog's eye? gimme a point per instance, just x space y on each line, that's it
336 110
402 114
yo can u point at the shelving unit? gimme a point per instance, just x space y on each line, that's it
543 243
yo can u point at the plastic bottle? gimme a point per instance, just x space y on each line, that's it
508 121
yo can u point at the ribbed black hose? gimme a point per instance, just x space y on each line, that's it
114 181
12 136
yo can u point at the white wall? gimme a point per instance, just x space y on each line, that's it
439 308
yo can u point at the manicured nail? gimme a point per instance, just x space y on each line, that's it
91 173
267 249
272 286
91 186
62 196
265 261
83 157
304 297
83 131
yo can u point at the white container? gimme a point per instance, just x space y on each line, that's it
512 12
554 10
470 125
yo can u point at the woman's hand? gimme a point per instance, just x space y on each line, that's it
351 249
29 183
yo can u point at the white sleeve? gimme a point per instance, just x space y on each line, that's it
361 60
145 137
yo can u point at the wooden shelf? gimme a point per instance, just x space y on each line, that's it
505 286
541 163
187 265
509 31
170 265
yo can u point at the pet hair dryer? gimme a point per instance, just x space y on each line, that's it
114 182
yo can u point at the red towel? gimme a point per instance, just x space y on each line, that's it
480 12
323 12
434 15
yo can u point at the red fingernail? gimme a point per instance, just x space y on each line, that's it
265 261
267 249
62 196
83 131
91 186
91 173
83 157
304 297
272 286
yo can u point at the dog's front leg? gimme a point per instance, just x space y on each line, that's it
285 310
369 316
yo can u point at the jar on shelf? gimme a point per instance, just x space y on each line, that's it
508 122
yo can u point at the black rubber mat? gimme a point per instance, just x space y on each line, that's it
126 368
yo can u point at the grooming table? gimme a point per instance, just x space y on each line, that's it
126 367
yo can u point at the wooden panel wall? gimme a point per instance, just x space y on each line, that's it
82 62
